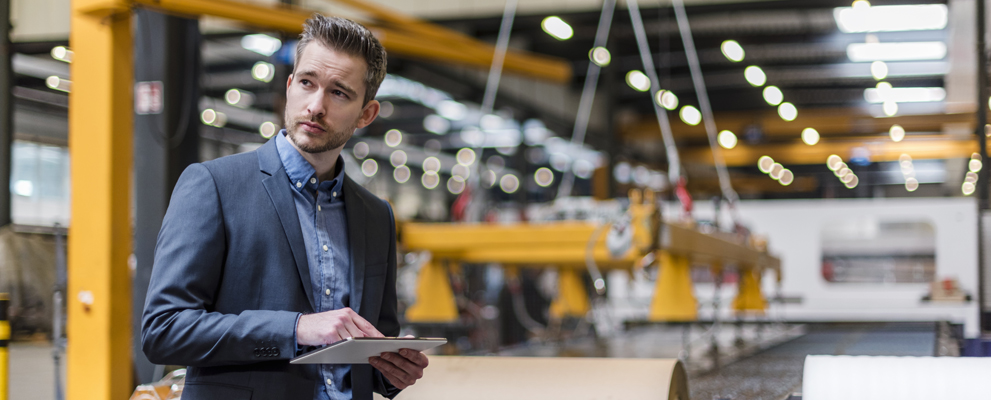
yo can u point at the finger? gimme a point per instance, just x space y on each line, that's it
395 375
411 370
364 325
352 329
416 357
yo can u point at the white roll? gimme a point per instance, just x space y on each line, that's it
896 378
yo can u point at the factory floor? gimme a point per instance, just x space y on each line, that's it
769 368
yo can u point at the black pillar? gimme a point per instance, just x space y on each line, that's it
166 139
6 112
982 185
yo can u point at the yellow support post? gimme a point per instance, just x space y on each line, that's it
100 148
572 299
4 346
673 297
749 298
434 297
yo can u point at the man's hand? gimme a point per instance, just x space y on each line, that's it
402 369
332 326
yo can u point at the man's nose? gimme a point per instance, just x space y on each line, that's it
315 105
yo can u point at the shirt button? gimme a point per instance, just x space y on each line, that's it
325 248
299 184
319 208
330 382
328 292
313 180
334 194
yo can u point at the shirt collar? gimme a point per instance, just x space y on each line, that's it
301 173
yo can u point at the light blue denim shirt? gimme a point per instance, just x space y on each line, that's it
322 219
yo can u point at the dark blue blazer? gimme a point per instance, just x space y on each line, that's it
231 274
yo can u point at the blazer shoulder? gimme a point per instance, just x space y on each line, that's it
242 162
373 202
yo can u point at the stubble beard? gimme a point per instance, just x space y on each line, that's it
334 138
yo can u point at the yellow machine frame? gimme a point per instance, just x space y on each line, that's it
565 246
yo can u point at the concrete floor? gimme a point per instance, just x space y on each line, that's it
32 371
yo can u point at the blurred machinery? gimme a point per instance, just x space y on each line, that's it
631 240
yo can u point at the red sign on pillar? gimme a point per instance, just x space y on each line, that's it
148 98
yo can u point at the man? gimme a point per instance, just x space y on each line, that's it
265 254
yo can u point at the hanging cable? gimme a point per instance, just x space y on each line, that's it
588 94
674 162
710 123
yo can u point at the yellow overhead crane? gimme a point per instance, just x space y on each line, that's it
569 247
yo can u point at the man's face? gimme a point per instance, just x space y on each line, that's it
324 97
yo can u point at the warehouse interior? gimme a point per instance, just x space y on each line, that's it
693 199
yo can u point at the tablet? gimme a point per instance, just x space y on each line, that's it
358 350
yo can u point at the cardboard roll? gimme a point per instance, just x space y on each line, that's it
526 378
902 378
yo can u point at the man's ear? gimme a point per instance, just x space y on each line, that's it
368 113
288 83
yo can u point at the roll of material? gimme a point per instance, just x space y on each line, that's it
526 378
896 378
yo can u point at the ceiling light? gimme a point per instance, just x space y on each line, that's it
810 136
261 43
787 111
833 162
896 132
431 164
213 118
398 158
786 178
360 150
600 56
904 95
773 95
765 163
466 156
369 167
583 168
975 165
852 183
690 115
727 139
732 50
509 183
638 81
776 171
393 137
544 177
557 28
239 98
430 179
666 99
386 109
56 83
968 188
879 70
455 185
61 53
268 129
401 174
460 170
452 110
891 18
263 71
911 184
890 108
755 75
896 51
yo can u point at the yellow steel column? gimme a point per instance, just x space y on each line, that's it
749 298
100 128
572 298
434 297
673 297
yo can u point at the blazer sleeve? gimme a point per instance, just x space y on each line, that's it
178 326
388 316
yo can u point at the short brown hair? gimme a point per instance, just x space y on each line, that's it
351 38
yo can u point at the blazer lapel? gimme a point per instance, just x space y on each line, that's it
278 190
355 210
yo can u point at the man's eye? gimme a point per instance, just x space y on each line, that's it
305 82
